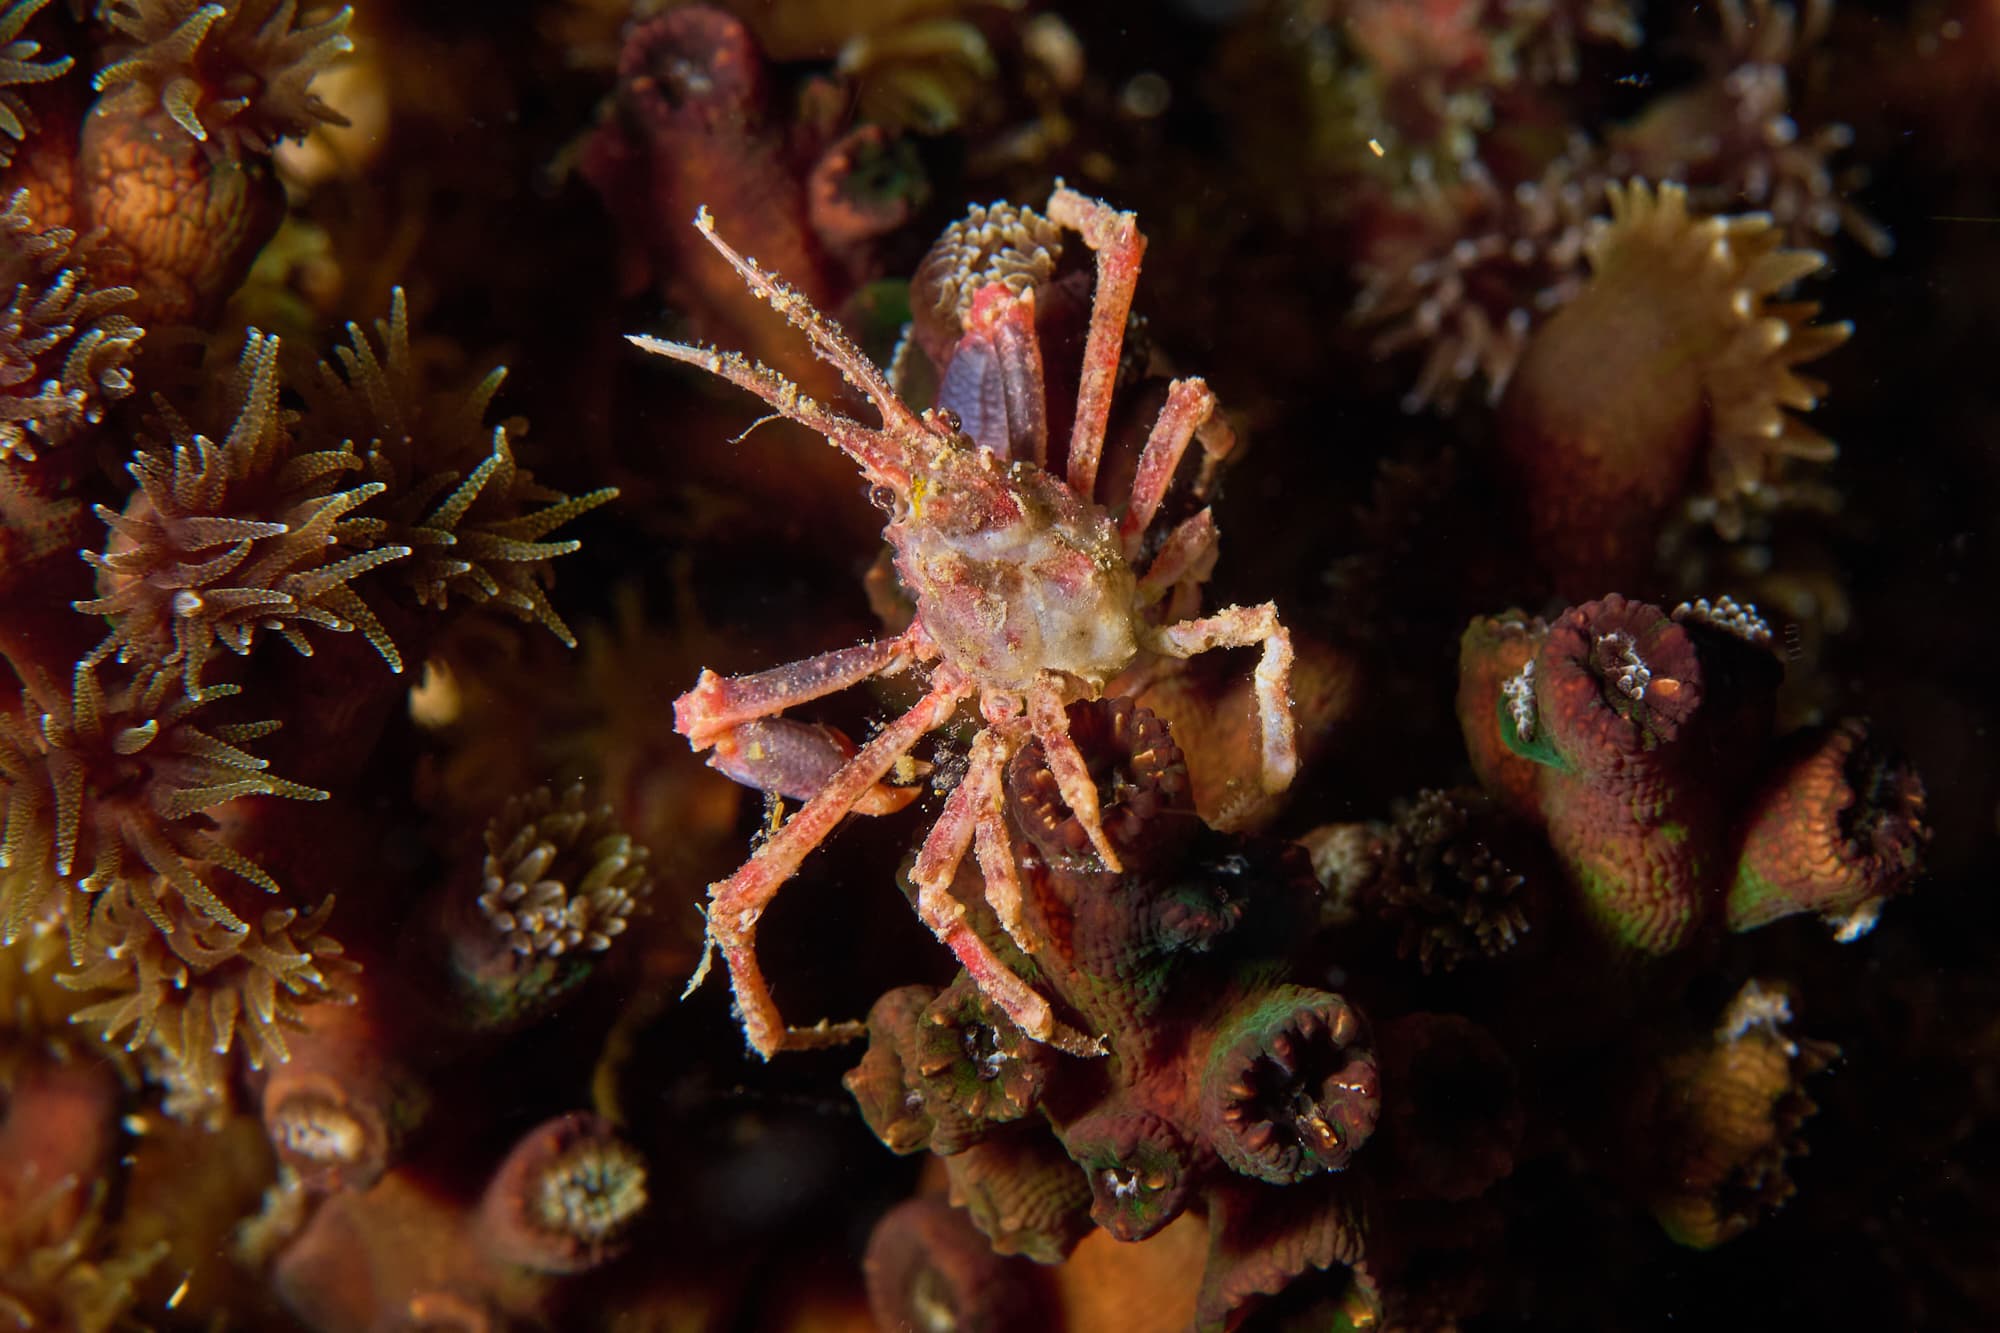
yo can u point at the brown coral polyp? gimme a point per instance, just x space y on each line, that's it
65 346
225 539
231 75
1140 1171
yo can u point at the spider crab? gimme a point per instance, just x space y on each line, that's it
1026 599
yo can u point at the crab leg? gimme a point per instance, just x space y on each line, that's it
1072 775
736 903
1120 247
1189 404
970 813
1188 552
718 705
833 346
972 804
881 455
1243 627
1182 564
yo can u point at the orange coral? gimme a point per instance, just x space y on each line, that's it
104 785
188 993
1728 1116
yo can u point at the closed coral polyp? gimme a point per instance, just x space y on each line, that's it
1838 829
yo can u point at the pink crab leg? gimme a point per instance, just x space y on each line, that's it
1218 442
1185 558
719 704
937 865
1243 627
736 903
1120 247
1072 775
881 455
833 346
962 824
1189 404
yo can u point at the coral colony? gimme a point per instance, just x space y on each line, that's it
1300 545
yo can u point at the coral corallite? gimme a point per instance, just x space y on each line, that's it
1671 377
1613 687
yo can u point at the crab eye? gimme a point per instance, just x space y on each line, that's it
882 498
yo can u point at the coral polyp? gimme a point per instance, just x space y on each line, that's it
565 1198
1686 310
473 520
225 539
234 75
22 62
65 349
105 787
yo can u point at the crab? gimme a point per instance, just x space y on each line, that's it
1027 598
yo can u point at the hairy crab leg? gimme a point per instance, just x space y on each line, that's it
833 346
1244 627
1072 775
1189 404
718 705
964 820
1186 554
736 903
1120 246
968 811
882 457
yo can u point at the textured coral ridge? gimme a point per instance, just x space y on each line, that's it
1641 741
1226 1087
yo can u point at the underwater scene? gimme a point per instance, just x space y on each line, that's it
999 666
